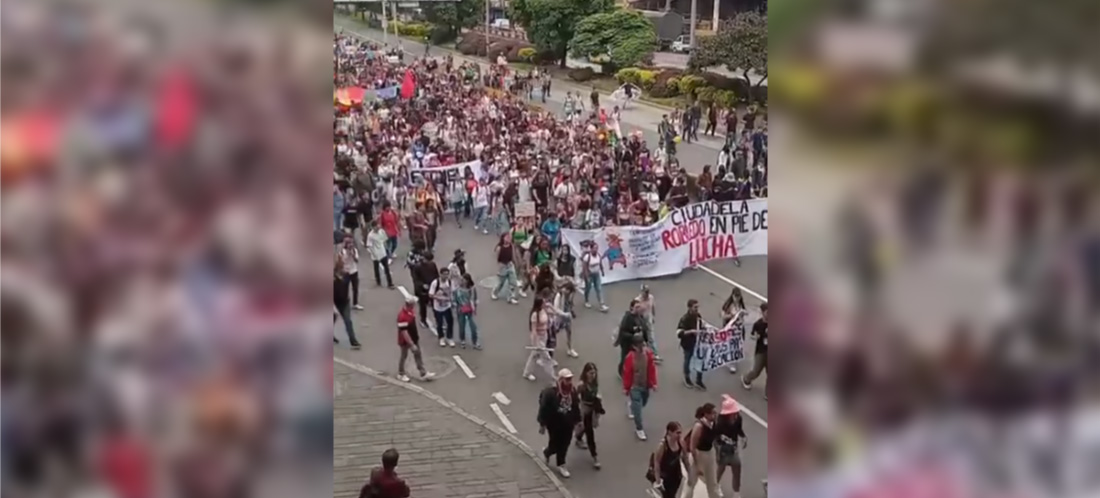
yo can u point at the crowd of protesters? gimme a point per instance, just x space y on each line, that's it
159 254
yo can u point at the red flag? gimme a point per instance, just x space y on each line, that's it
176 109
408 85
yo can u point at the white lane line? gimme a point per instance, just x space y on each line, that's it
725 279
503 418
757 418
501 398
465 368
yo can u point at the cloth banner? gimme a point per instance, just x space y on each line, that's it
386 93
688 236
444 177
716 348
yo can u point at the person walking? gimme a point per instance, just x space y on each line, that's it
559 412
700 445
376 246
442 294
423 274
341 303
691 324
506 269
668 461
647 303
592 273
591 409
465 298
563 301
639 380
408 339
539 323
760 354
732 307
730 441
632 325
384 482
391 224
349 255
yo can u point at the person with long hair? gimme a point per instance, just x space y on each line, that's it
591 410
700 446
539 323
506 269
465 298
648 304
563 301
669 460
520 236
559 412
733 305
730 441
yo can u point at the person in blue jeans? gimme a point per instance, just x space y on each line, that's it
592 273
506 274
465 298
639 379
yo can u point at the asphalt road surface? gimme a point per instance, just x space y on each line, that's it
497 368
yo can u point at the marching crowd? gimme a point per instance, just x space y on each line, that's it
436 139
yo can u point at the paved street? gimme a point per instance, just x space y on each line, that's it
443 455
639 117
497 368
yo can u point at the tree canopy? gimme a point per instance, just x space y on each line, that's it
551 24
451 17
741 45
625 36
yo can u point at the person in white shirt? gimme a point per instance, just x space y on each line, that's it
441 292
376 246
648 304
481 207
349 255
565 190
592 273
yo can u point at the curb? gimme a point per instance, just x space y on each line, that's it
501 433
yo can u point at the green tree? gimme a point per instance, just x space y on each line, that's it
741 45
449 18
551 24
625 36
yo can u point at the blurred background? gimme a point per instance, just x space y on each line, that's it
935 270
164 289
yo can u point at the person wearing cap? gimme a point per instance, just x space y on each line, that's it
408 339
559 412
639 379
729 441
760 355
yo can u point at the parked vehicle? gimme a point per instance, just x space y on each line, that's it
682 44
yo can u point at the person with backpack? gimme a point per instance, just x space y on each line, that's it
731 439
384 482
665 470
700 446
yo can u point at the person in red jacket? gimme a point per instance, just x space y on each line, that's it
639 379
384 482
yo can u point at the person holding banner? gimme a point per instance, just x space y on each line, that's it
691 324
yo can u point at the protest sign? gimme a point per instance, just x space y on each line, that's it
715 348
525 209
443 177
688 236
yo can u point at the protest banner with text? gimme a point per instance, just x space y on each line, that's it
688 236
715 348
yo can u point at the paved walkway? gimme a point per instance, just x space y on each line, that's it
443 454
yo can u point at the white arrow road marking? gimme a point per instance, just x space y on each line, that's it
465 368
501 398
503 418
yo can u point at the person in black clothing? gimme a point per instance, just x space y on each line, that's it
760 355
341 304
688 332
668 462
567 263
595 98
591 410
700 444
559 412
423 275
632 324
730 440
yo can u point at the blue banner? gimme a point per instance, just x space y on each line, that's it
386 93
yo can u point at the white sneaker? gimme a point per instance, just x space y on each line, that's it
733 369
530 377
564 471
641 435
604 308
493 296
588 305
403 378
427 376
451 343
513 301
522 294
442 342
359 306
573 354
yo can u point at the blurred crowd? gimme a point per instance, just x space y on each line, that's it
161 167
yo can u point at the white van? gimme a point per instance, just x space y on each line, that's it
681 44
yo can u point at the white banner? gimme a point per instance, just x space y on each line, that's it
688 236
716 348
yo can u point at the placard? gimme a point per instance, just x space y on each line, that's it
688 236
715 348
525 209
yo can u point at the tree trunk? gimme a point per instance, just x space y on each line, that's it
562 56
668 5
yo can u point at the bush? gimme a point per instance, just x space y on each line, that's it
724 98
413 30
707 94
581 74
627 75
471 44
499 47
665 75
664 91
442 35
528 53
646 79
690 83
721 82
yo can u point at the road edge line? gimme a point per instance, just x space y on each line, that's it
727 280
499 432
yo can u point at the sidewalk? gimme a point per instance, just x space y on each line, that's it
443 454
639 114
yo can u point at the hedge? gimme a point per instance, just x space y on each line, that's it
581 74
413 30
528 53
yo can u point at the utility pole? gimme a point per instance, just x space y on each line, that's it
714 19
691 26
487 21
395 33
385 26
